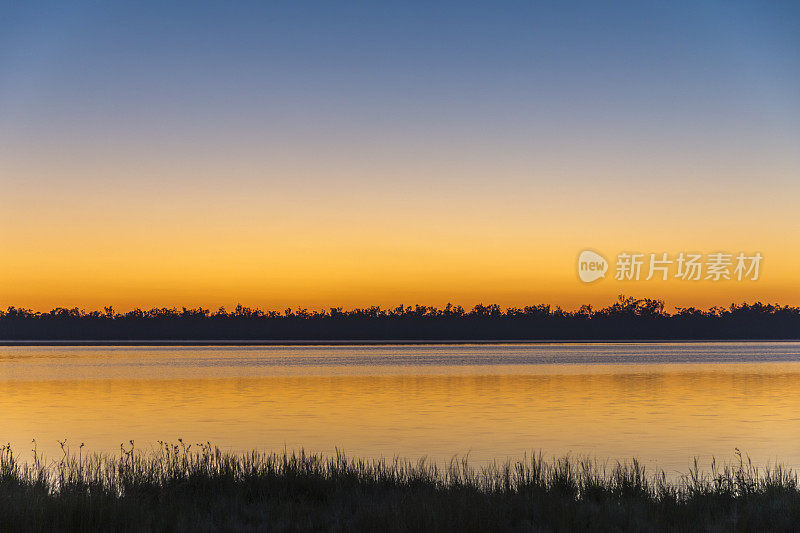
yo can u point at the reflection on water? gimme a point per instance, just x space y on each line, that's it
493 402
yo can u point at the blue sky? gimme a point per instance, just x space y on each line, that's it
503 116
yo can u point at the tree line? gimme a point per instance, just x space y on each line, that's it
627 318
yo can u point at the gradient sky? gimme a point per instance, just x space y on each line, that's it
322 153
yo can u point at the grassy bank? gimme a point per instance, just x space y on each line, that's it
181 487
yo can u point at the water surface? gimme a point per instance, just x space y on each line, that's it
662 402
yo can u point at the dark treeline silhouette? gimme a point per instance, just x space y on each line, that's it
627 319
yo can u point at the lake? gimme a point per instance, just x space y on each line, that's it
662 402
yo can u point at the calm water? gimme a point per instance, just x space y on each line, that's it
664 403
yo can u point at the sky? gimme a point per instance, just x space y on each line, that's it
319 154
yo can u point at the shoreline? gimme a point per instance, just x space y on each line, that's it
199 487
360 342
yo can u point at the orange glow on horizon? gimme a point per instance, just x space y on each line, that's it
162 236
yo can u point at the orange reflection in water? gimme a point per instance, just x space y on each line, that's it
664 414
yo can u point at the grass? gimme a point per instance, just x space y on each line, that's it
177 487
